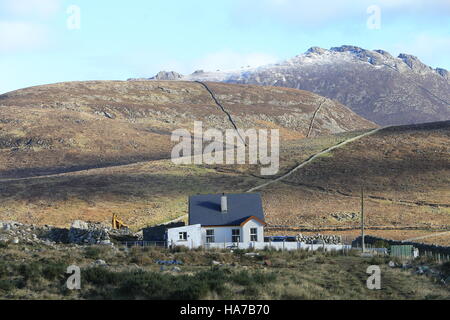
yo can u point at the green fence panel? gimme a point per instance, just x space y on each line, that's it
405 251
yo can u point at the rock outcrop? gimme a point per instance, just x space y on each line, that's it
164 75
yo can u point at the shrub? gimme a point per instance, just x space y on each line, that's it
377 260
162 286
148 285
446 267
381 244
180 249
244 278
31 271
320 259
7 285
53 270
93 253
100 276
141 260
3 270
240 252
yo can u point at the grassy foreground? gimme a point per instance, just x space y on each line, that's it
39 273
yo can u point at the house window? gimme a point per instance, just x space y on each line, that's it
210 236
182 236
253 234
236 235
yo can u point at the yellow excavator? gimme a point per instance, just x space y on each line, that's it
118 224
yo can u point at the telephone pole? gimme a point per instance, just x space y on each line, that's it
363 244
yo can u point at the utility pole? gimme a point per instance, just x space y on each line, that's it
363 244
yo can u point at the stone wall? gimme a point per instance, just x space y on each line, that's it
80 232
423 247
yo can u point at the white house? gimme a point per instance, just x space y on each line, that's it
231 220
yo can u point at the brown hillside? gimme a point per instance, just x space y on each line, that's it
405 172
72 126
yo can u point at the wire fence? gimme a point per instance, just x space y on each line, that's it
129 244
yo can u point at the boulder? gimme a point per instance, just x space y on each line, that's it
100 263
176 269
78 224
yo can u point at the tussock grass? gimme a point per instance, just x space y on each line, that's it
132 273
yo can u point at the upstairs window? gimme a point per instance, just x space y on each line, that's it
182 236
253 234
236 235
210 236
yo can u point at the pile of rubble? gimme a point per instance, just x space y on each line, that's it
88 233
320 239
15 232
346 216
80 232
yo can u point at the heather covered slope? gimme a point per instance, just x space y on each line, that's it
405 172
78 125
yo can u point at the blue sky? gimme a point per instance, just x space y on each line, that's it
137 38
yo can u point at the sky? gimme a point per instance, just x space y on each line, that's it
48 41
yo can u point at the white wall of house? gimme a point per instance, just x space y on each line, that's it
225 234
196 237
193 237
253 224
221 234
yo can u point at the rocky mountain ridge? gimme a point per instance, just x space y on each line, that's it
382 88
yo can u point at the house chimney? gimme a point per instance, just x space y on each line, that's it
224 203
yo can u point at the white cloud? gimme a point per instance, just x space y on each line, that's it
306 5
319 12
23 25
28 8
231 60
16 36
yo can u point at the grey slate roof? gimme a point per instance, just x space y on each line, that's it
206 210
